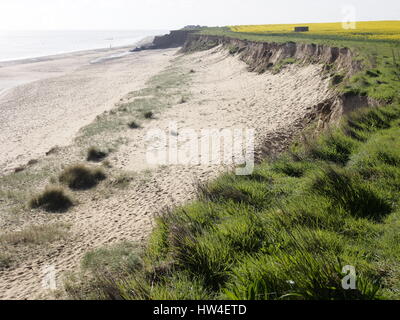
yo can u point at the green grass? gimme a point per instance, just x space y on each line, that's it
110 263
281 64
287 230
121 256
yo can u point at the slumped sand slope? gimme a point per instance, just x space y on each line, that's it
222 94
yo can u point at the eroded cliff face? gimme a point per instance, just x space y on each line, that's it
262 56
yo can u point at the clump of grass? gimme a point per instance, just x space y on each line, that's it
334 147
95 154
53 150
5 261
102 270
19 169
106 164
233 50
298 276
372 73
36 234
183 100
118 257
337 79
133 125
291 168
32 162
281 64
122 180
148 115
53 199
349 191
81 177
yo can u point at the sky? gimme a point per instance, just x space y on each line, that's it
172 14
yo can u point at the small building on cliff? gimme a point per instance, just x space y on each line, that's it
301 29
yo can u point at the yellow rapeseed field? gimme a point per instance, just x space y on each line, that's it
384 30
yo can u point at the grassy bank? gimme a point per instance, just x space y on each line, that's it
284 232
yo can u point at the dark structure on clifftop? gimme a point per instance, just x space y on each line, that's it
301 29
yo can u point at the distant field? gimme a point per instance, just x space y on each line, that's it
381 30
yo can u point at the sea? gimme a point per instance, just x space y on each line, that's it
18 45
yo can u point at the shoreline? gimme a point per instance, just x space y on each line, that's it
38 99
61 55
14 78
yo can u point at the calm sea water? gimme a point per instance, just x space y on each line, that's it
17 45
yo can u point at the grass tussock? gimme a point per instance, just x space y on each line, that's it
148 115
133 125
5 261
183 100
52 199
95 154
118 257
102 269
36 234
81 177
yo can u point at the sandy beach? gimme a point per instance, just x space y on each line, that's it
56 98
45 103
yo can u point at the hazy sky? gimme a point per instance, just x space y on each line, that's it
168 14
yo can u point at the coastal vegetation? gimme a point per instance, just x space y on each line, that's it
52 199
133 125
95 154
36 234
5 261
148 115
81 177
